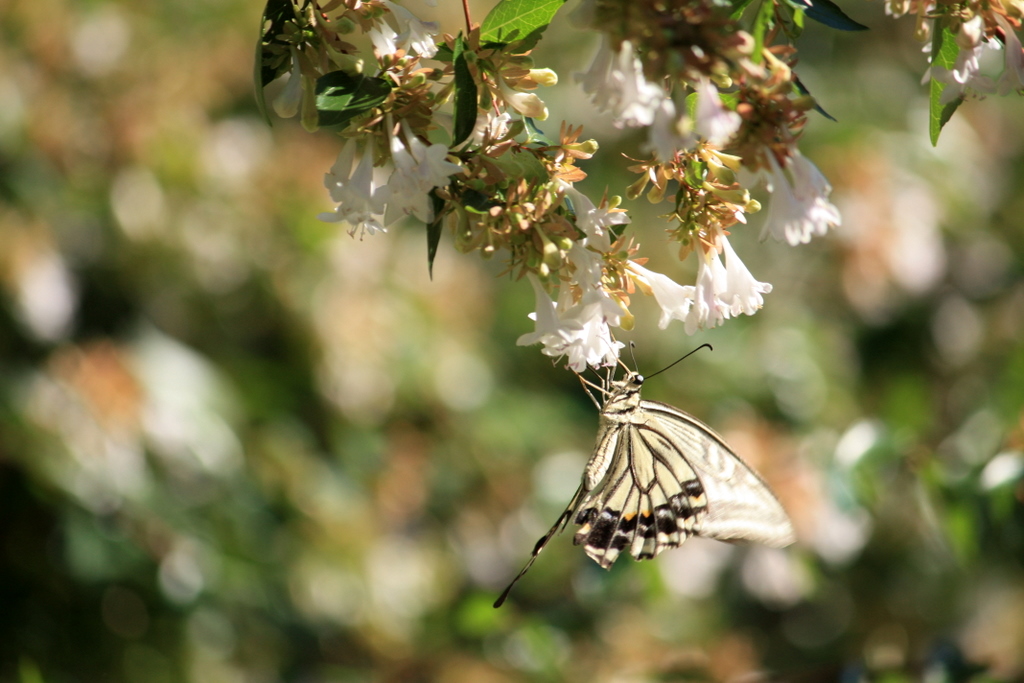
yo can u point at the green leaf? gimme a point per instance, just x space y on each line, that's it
522 21
277 13
944 54
763 21
466 95
828 13
522 165
738 8
341 96
434 230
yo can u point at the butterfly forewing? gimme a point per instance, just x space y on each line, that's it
657 477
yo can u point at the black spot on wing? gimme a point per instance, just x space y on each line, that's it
693 488
602 531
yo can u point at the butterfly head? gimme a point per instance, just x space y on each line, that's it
624 395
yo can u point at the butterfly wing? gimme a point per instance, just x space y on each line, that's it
670 477
740 504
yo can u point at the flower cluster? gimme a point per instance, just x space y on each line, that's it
976 27
440 128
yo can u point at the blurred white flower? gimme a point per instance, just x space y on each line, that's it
593 221
383 37
416 35
965 73
286 104
616 83
1012 79
360 201
489 126
418 170
799 207
666 136
712 120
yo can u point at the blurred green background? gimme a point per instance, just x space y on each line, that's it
238 446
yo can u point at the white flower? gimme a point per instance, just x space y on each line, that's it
742 294
286 104
965 73
1012 78
416 35
616 83
418 170
712 121
581 331
708 308
383 37
489 126
721 292
665 135
675 299
360 201
548 330
593 345
594 222
526 103
799 207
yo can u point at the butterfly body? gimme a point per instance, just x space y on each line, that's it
658 476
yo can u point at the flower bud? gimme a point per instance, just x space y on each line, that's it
637 188
545 77
344 25
588 147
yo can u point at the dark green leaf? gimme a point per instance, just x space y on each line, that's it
477 202
434 230
522 21
828 13
465 95
802 89
944 54
275 15
341 96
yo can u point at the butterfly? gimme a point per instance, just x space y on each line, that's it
658 476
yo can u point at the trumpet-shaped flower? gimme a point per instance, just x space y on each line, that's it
799 207
526 103
593 221
965 74
416 35
616 83
665 136
581 330
721 292
712 120
1012 78
383 37
418 170
360 201
742 294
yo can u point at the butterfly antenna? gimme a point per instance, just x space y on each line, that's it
559 525
710 348
632 346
